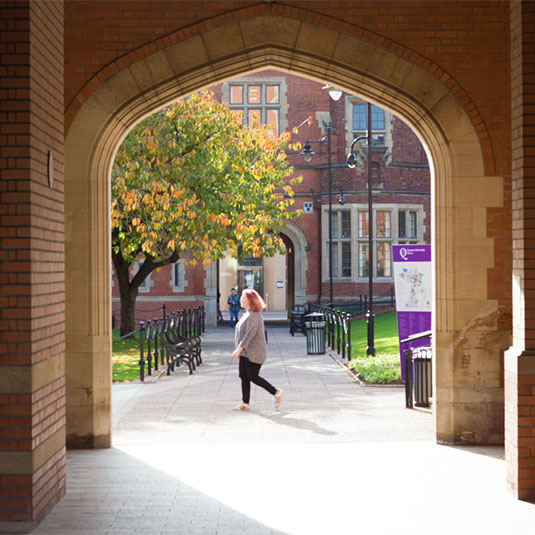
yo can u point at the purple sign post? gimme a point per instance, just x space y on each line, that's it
413 284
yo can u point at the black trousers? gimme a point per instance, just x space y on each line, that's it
249 374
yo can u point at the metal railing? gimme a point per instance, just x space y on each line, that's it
360 306
187 323
163 308
417 369
338 328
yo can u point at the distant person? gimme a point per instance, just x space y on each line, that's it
219 314
251 349
233 306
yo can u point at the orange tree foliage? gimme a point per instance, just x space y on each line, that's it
192 181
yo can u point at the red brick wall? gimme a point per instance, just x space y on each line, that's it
403 178
464 43
520 384
149 304
31 252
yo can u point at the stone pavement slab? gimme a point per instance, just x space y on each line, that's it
337 458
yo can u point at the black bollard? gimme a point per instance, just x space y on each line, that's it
141 348
149 348
156 323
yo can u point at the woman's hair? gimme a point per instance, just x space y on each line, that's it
256 303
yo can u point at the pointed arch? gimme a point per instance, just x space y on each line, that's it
326 50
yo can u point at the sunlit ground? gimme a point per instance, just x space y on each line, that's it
336 459
307 489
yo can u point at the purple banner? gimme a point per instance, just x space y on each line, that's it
413 283
411 253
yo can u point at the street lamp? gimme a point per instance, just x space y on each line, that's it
307 154
334 93
352 162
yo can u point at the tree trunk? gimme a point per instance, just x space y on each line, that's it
128 289
128 295
128 312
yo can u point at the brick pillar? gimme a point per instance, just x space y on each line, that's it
520 358
32 294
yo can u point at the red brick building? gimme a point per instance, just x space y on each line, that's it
401 197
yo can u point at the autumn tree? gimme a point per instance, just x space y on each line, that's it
191 181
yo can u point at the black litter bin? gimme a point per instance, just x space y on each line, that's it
423 380
315 333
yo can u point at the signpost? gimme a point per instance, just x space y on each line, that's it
413 284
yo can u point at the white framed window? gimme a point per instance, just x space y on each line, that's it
382 243
359 122
257 103
356 114
177 280
392 224
147 284
258 98
342 262
407 226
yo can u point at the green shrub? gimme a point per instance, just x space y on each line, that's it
381 369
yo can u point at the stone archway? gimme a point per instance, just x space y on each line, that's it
300 246
467 339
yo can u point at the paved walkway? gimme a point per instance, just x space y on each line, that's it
336 459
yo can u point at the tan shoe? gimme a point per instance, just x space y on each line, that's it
242 407
278 398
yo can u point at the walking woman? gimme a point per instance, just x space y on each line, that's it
251 348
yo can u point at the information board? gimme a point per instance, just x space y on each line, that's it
413 281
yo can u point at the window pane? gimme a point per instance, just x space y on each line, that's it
346 224
137 267
378 118
335 259
238 114
413 229
236 94
363 259
248 260
402 225
254 94
346 259
177 275
254 117
272 94
363 224
383 224
334 222
383 259
359 117
272 119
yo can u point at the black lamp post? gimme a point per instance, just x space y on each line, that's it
352 162
307 154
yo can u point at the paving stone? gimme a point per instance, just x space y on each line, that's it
333 459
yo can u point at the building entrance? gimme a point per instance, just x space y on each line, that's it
251 277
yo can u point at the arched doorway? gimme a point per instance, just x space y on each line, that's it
467 339
290 272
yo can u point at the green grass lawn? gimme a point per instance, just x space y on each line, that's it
385 367
125 358
386 335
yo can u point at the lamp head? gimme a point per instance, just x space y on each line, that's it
307 152
342 200
335 94
351 160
